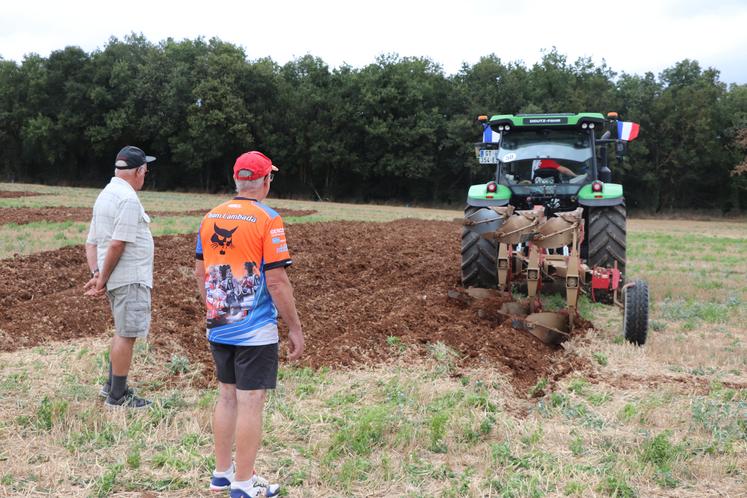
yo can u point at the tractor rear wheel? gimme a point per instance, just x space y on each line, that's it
479 255
606 237
635 314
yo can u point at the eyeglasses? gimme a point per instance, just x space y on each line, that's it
272 176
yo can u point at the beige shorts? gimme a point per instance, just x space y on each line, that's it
131 310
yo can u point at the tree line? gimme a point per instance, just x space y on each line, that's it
397 129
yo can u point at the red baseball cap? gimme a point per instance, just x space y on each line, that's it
252 165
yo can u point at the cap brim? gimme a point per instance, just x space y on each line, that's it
149 159
274 168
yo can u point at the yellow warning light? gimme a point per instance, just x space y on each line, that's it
611 115
482 118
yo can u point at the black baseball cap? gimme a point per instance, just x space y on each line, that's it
131 157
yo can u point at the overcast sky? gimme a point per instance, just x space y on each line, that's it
633 36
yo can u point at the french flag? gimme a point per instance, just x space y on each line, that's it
489 136
627 130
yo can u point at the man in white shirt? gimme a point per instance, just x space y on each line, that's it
119 250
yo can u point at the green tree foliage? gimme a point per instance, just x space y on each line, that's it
398 128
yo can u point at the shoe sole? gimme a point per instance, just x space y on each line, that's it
276 493
124 407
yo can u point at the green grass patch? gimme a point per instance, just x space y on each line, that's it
690 310
362 431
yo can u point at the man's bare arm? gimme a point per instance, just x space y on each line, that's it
113 253
281 291
566 171
91 257
93 265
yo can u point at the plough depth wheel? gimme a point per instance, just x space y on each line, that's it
635 314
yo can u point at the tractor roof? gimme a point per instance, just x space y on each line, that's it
544 120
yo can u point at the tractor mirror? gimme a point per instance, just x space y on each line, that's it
620 147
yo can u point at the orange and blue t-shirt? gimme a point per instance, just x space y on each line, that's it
239 241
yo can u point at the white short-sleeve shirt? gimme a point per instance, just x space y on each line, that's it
119 215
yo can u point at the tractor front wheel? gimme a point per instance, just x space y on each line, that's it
635 314
479 255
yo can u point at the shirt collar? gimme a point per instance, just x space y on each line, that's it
119 181
239 198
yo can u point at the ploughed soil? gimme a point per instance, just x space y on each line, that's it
356 284
11 194
21 216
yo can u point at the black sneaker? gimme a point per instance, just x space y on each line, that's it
104 392
128 400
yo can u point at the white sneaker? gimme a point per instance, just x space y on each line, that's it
221 481
259 487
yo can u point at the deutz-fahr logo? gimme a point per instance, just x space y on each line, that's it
538 121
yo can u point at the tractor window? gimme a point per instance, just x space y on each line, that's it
546 171
568 145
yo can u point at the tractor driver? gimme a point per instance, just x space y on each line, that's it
546 164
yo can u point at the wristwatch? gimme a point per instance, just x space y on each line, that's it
94 272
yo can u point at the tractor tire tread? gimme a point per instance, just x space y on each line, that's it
635 319
479 257
606 237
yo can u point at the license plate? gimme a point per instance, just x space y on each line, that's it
488 156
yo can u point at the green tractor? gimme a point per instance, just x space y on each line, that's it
525 223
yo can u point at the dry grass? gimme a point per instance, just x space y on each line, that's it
43 236
171 201
408 428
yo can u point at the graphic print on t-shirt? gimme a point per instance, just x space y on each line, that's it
229 299
221 238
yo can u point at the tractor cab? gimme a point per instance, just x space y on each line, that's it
542 159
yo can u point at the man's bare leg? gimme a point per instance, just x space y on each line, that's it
121 355
224 425
248 431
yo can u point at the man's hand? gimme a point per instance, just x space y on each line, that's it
296 344
95 287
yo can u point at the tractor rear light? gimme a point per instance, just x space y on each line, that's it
596 187
492 187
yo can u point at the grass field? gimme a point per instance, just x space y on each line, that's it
669 419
